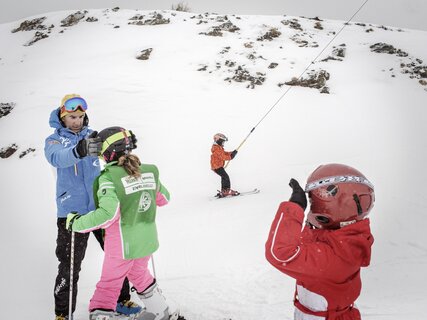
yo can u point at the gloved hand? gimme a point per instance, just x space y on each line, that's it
233 154
91 146
71 217
298 194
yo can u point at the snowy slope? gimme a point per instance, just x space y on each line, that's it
211 260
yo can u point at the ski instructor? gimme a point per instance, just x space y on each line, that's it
73 151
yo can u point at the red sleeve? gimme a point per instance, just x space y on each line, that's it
295 252
285 232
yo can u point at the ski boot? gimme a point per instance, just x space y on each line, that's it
98 314
228 193
156 307
128 307
61 317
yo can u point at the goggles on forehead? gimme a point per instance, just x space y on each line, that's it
337 179
73 104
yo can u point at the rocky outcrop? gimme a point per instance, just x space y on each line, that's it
387 48
6 152
154 19
29 25
73 19
6 108
270 35
315 79
144 54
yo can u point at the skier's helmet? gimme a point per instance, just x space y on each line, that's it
339 195
116 141
220 138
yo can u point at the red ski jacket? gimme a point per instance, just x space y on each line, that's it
219 156
325 263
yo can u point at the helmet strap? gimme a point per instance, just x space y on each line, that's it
359 207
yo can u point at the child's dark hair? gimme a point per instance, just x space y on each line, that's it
130 163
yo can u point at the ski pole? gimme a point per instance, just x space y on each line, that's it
70 310
244 140
152 265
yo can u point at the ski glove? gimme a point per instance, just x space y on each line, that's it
70 220
298 194
233 154
91 146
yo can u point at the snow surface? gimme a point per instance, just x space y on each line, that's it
211 259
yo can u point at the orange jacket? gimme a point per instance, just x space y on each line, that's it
219 156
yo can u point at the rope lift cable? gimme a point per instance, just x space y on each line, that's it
300 76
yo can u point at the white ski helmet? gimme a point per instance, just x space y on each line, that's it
220 138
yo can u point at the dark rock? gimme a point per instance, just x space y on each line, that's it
37 37
315 80
91 19
387 48
73 19
28 25
204 68
273 65
144 54
243 75
154 19
293 24
8 151
6 108
115 9
270 35
24 153
318 25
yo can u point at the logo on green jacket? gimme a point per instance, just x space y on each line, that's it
144 202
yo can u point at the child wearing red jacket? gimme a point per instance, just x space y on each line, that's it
218 158
326 255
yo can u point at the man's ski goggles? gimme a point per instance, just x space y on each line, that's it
73 104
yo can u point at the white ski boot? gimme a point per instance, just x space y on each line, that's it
156 307
107 315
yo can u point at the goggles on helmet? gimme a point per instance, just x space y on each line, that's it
126 135
73 104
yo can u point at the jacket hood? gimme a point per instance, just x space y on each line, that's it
352 243
55 121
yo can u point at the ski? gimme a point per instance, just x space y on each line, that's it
244 193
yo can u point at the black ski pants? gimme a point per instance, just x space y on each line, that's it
63 250
225 179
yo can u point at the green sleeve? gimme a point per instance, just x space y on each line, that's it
164 191
107 209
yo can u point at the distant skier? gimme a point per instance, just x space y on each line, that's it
218 158
324 257
126 199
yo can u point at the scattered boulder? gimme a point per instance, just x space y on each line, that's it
318 25
144 54
115 9
29 25
273 65
243 75
37 37
8 151
270 35
301 42
315 80
154 19
337 54
24 153
293 24
91 19
381 47
203 68
216 31
6 108
73 19
248 45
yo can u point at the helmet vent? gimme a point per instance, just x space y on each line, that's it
322 219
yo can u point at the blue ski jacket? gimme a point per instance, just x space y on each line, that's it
75 176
